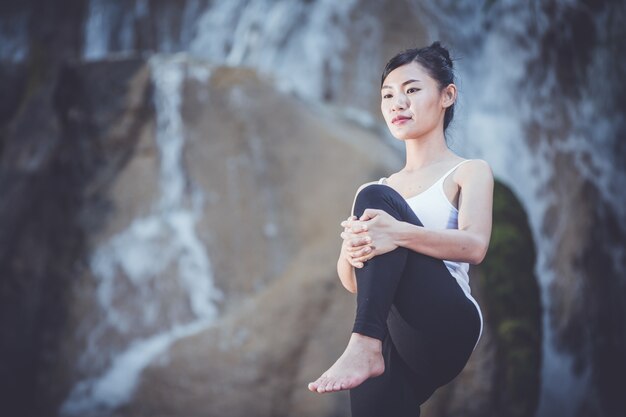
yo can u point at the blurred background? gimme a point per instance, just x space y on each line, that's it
173 175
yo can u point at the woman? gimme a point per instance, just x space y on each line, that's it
406 251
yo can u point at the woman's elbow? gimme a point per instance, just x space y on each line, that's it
350 289
478 253
349 286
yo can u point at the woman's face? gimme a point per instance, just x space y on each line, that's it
412 103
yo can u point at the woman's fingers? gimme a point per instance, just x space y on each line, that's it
369 214
358 262
346 223
355 240
361 253
357 257
354 225
355 243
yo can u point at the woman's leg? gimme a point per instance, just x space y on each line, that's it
391 394
378 279
392 278
413 303
376 285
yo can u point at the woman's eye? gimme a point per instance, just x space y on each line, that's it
412 90
386 95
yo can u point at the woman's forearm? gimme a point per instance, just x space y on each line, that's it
346 273
449 244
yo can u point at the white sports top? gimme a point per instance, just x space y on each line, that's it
435 211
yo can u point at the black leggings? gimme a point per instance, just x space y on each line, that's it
414 305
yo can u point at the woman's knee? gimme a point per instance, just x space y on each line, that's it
376 196
381 197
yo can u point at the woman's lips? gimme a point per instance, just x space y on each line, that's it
398 120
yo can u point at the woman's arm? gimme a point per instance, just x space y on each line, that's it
467 244
346 262
345 270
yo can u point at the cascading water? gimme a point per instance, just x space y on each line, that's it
14 37
504 97
495 119
271 36
303 46
154 279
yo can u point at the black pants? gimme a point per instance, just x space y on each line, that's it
414 305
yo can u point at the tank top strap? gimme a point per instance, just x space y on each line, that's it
443 178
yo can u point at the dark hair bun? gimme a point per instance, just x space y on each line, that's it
443 51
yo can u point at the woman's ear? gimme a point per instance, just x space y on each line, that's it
448 95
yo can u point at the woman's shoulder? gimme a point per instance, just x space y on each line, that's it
474 169
475 165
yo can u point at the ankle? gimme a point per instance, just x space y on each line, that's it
369 343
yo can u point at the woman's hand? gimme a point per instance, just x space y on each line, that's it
356 242
368 236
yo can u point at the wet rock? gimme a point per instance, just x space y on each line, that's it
272 176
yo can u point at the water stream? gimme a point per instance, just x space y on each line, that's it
302 45
154 279
273 36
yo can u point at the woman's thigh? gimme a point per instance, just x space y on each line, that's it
441 324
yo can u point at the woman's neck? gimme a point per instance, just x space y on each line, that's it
425 151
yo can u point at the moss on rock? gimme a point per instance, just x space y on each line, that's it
511 296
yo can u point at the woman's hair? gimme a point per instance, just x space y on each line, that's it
435 59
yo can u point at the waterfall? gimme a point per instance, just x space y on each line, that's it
14 37
277 38
322 50
303 47
494 131
154 279
499 104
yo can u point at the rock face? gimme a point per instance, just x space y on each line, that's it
561 153
54 151
148 170
261 365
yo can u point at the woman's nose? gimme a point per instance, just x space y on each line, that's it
400 102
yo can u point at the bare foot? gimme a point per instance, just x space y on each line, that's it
361 360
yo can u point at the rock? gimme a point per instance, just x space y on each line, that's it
56 151
268 177
272 228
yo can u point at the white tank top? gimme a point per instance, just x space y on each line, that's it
435 211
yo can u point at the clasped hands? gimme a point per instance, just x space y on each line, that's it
368 236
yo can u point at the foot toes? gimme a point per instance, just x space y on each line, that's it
329 385
321 383
315 385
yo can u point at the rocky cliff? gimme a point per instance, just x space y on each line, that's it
147 172
541 99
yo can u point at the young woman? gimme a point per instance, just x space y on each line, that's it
406 251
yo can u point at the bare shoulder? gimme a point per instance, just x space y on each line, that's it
475 170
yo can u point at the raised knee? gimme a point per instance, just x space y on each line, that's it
377 196
375 191
372 190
